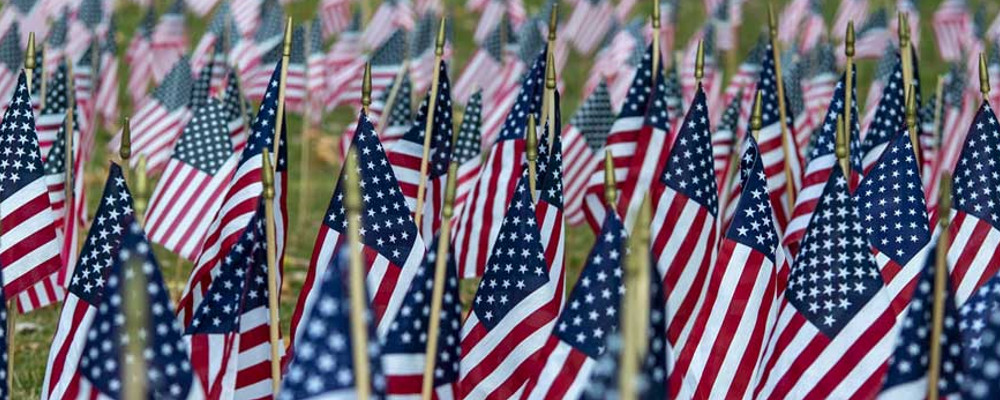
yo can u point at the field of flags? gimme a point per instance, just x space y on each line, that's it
795 213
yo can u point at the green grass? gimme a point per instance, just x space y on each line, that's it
31 345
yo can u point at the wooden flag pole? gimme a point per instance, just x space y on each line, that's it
984 77
437 293
358 300
940 269
841 147
279 119
905 51
305 150
656 39
911 121
267 176
136 310
429 123
531 152
636 303
848 90
782 110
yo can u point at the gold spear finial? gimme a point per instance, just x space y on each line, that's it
699 63
532 139
849 41
757 117
267 175
656 15
439 42
944 199
287 50
911 106
772 23
29 57
125 149
903 24
553 22
984 76
366 87
610 186
550 71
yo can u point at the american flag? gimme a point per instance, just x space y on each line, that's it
167 367
202 86
391 241
741 86
889 118
958 109
580 336
792 75
583 136
32 252
494 13
873 37
686 204
636 141
247 15
973 218
335 15
952 29
514 310
484 68
684 73
831 342
55 43
343 62
191 189
722 351
849 10
400 115
480 221
392 16
140 58
204 51
68 219
979 325
11 60
295 83
160 119
822 160
247 54
386 63
229 333
202 7
929 142
617 62
421 55
549 209
85 288
906 375
84 87
85 26
908 8
725 28
236 105
814 28
169 40
724 143
468 153
240 201
315 74
50 117
106 94
323 364
406 155
887 65
791 19
589 23
405 345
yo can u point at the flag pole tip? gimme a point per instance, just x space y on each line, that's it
757 117
550 71
984 76
125 148
772 22
532 139
366 87
553 22
911 105
699 66
287 50
849 40
439 42
656 15
29 58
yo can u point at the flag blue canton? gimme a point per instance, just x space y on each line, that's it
262 130
663 101
892 203
768 85
468 143
983 380
637 99
753 222
592 311
690 169
408 332
977 175
890 116
175 90
323 363
910 358
529 100
655 365
441 127
834 275
104 239
240 286
386 224
20 162
975 320
824 142
550 184
517 266
168 372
